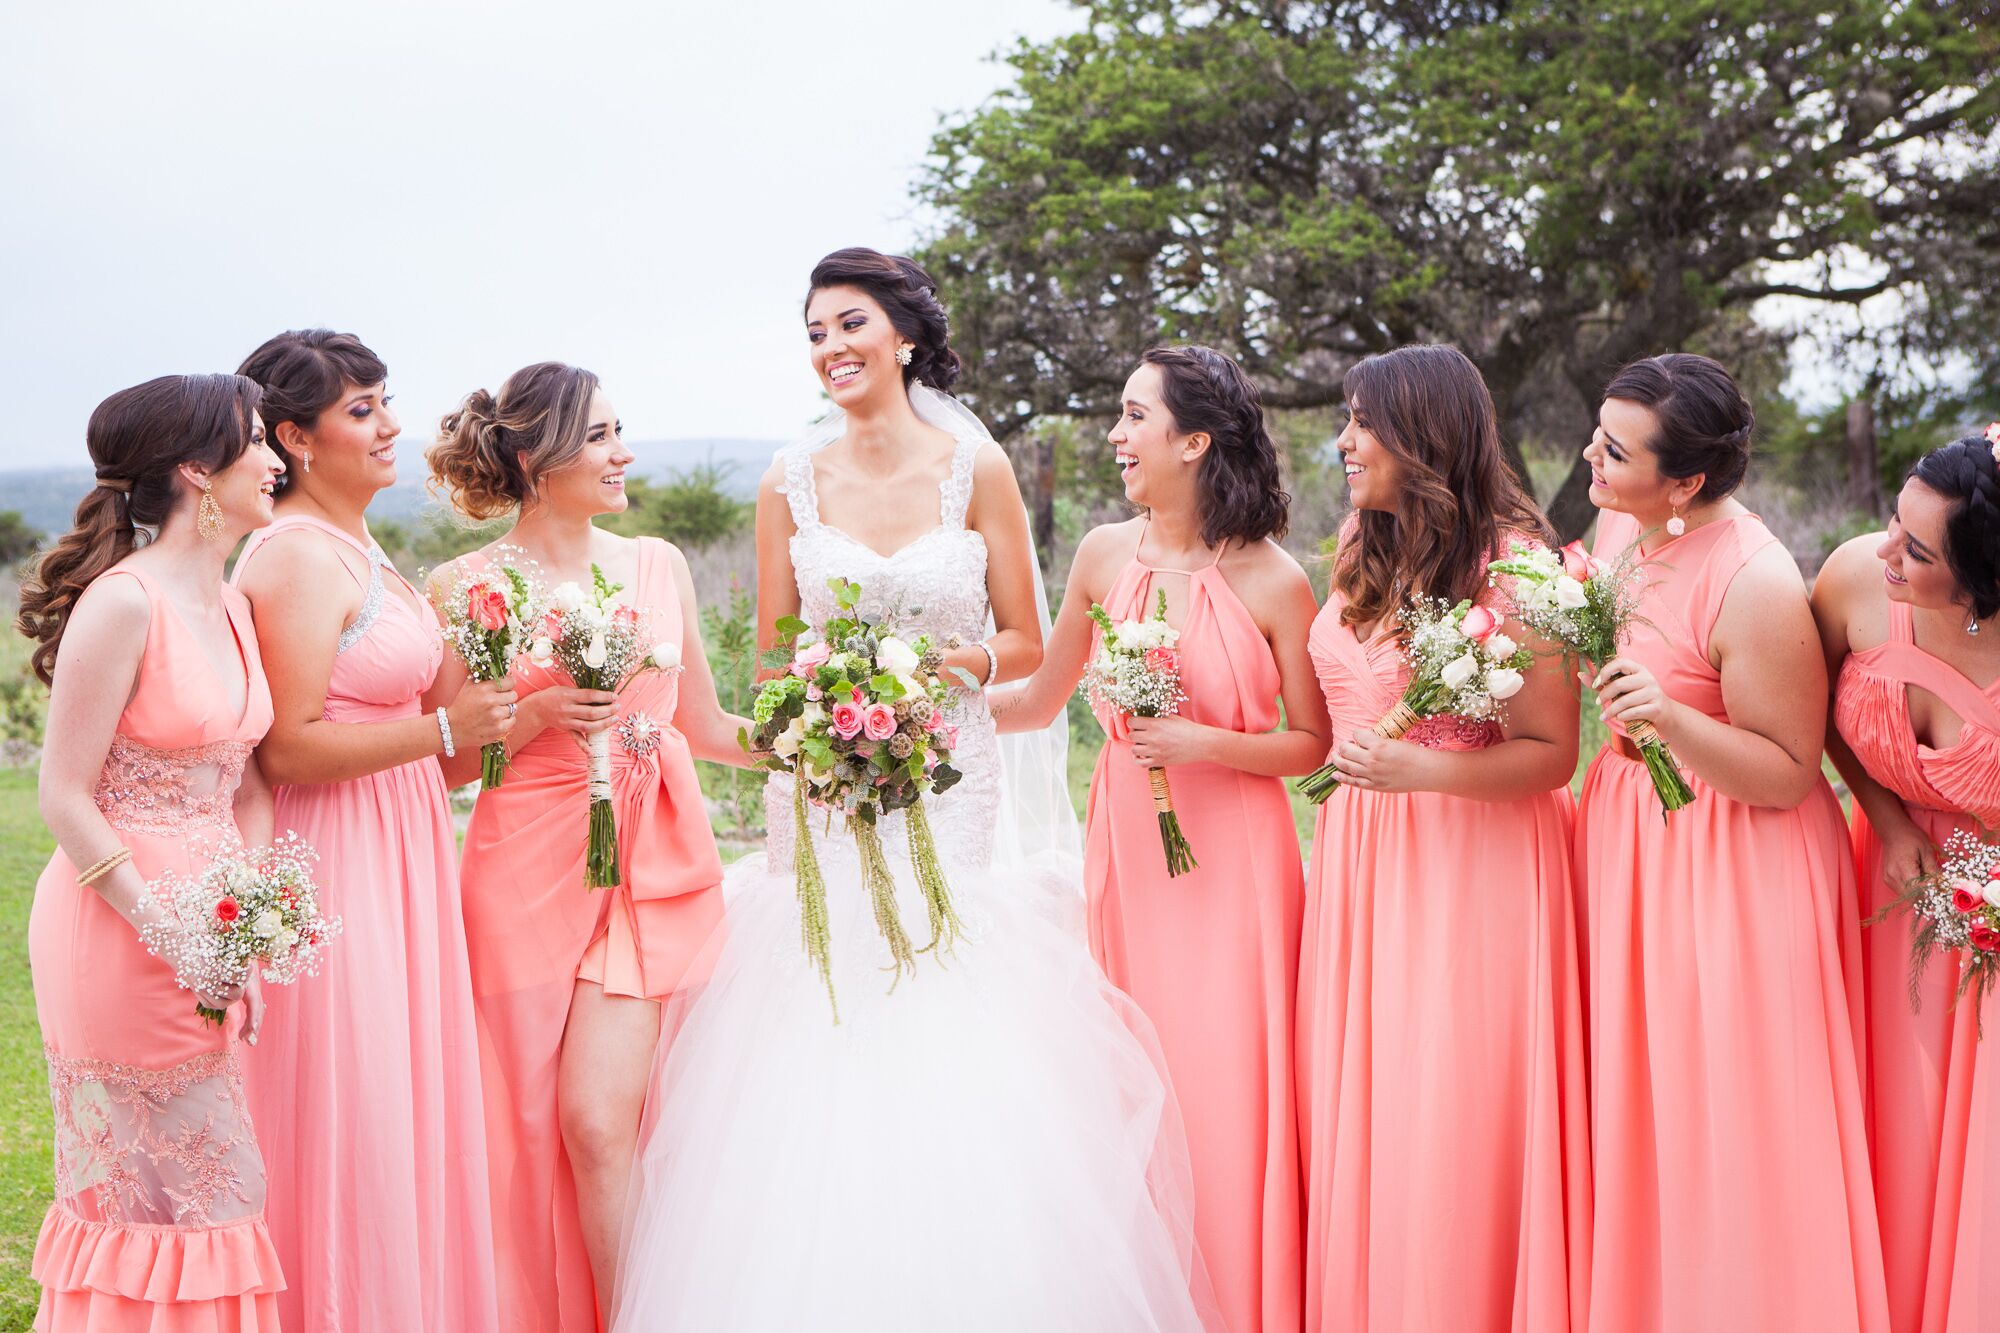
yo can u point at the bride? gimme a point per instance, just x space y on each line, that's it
992 1146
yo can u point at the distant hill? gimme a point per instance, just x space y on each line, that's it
46 497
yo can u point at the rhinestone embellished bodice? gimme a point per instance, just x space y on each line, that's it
934 585
144 790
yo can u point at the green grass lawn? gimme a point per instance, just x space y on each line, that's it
24 1091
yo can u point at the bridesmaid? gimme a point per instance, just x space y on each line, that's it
1441 1071
567 982
1211 956
1721 942
368 1087
158 700
1910 620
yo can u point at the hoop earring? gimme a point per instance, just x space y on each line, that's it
208 514
906 354
1676 526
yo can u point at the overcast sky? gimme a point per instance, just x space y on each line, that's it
638 187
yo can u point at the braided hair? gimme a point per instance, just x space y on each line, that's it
1705 421
1967 472
1242 494
908 295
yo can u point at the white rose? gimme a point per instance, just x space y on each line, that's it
242 879
1570 594
1130 632
594 616
895 656
787 743
1993 892
542 652
568 597
595 651
267 924
911 690
1459 670
812 717
288 939
1499 647
1503 682
666 655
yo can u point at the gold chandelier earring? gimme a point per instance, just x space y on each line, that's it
208 514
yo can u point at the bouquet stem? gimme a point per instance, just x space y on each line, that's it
1180 857
1673 789
813 929
492 765
601 870
945 925
1321 783
882 896
212 1016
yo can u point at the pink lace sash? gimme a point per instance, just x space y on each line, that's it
1454 733
143 790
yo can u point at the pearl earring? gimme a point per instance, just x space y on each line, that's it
905 354
1676 525
1972 623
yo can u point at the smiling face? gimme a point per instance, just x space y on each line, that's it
853 346
594 482
1374 475
1157 463
1913 551
245 488
352 443
1624 472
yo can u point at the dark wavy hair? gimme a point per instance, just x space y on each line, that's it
138 439
303 372
1705 421
1458 503
492 453
908 295
1242 493
1966 472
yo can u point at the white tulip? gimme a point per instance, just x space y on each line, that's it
1504 682
895 656
595 652
1570 594
1459 671
1499 647
666 655
787 743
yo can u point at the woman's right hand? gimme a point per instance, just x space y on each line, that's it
221 999
482 712
1906 853
582 713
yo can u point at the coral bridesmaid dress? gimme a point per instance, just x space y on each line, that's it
1721 945
1933 1088
1212 956
1441 1049
534 931
366 1083
158 1220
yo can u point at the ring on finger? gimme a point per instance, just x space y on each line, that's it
510 710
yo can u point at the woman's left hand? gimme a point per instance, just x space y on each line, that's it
1628 692
1159 742
1373 762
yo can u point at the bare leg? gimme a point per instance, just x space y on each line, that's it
607 1058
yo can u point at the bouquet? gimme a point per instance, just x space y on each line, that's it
1587 608
858 721
1461 665
1957 907
603 644
485 614
1137 672
244 906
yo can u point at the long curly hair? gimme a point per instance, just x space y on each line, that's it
908 295
492 453
1242 493
1430 409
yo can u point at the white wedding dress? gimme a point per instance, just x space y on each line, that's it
992 1146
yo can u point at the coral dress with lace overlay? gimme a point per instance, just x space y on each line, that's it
535 930
1721 943
158 1219
1442 1100
366 1082
1933 1087
1213 955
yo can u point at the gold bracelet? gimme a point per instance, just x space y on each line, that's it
105 867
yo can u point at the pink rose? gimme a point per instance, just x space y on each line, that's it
227 911
552 626
951 738
487 608
879 721
813 692
1965 896
1479 624
935 722
1579 564
847 721
1162 661
806 660
625 616
1984 938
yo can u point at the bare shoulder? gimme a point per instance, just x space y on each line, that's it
773 480
1109 542
1853 567
1266 565
993 472
1770 573
294 557
110 607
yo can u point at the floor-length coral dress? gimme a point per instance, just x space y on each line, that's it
534 930
1721 945
1933 1087
365 1084
158 1220
1441 1048
1212 956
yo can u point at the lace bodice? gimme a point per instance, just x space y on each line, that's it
934 585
